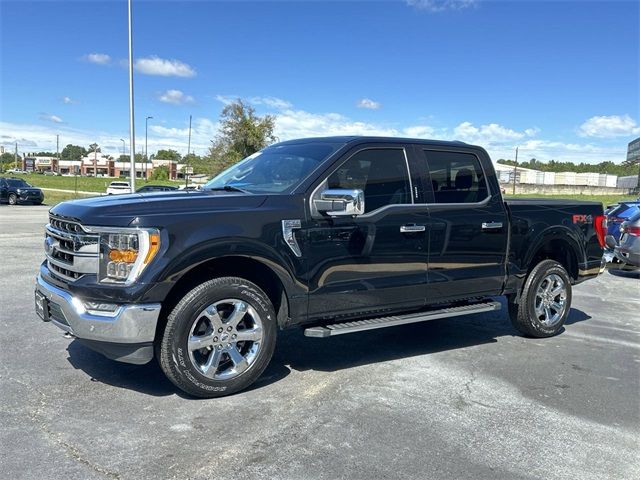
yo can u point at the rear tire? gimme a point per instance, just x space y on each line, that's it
219 338
13 199
545 301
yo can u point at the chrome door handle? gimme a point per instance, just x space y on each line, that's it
412 228
491 225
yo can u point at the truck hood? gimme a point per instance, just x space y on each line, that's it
124 210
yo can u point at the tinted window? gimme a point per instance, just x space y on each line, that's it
456 177
380 173
17 183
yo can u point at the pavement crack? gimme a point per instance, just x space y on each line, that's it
37 417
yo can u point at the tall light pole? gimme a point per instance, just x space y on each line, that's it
146 153
58 151
123 147
186 167
132 128
515 172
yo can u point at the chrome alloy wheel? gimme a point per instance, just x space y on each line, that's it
225 338
551 300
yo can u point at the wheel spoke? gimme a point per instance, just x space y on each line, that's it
549 286
239 362
557 307
557 291
214 317
239 311
196 342
252 334
547 314
210 368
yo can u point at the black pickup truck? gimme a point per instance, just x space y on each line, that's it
335 235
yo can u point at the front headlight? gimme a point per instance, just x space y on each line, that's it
125 253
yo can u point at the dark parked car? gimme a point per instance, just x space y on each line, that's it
156 188
628 250
614 218
334 235
15 190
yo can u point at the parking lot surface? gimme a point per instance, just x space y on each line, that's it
453 398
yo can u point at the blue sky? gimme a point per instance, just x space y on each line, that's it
559 79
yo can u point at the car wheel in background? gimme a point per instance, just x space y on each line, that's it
13 199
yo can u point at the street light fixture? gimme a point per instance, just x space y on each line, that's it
146 158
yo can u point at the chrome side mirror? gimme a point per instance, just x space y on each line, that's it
340 202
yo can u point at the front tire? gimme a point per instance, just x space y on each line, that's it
545 301
219 338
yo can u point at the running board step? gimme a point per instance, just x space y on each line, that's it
392 321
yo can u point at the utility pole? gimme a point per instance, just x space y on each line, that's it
58 151
515 172
15 157
132 128
146 153
95 161
186 166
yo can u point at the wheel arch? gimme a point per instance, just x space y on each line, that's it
257 270
559 244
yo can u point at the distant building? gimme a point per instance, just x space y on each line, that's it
99 165
633 151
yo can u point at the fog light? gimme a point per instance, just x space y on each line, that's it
99 308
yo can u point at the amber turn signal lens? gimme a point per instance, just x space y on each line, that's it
154 246
127 256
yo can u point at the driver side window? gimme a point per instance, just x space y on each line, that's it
381 173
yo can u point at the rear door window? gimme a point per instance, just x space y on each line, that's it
455 177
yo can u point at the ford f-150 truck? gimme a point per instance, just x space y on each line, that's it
334 235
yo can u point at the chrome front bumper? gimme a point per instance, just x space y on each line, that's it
128 324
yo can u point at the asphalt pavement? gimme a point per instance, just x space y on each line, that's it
452 399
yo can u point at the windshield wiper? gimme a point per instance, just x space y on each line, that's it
229 188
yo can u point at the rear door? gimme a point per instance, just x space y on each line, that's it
376 261
3 190
467 225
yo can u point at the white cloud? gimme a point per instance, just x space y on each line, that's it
175 97
490 133
609 126
442 5
68 100
273 102
368 104
50 118
98 58
155 65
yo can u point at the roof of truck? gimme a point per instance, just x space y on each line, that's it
361 139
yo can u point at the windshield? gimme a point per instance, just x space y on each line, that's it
17 183
276 169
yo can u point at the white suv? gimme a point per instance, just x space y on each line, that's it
116 188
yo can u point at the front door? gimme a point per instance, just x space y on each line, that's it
372 262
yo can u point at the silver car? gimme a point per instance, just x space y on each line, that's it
628 251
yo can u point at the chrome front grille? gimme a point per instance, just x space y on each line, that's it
71 251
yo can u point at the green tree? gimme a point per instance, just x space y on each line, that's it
242 133
7 161
167 155
73 152
160 173
94 148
